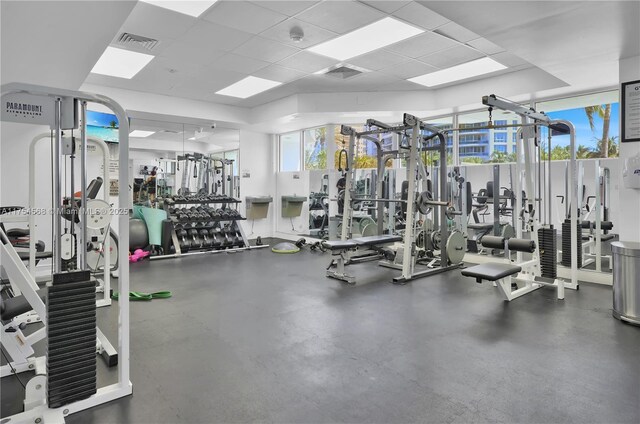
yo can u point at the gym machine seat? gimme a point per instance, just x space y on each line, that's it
14 306
491 271
481 226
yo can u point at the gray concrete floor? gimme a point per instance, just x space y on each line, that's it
260 337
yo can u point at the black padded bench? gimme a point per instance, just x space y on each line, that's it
14 306
367 241
491 271
340 248
488 226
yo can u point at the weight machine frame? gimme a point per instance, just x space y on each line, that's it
418 143
40 412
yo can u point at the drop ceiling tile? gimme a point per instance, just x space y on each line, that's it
421 16
377 60
457 32
279 73
155 22
207 83
205 35
312 34
318 84
148 80
265 49
287 7
422 45
485 46
386 6
236 63
451 57
409 69
180 68
178 51
340 16
244 16
508 59
307 62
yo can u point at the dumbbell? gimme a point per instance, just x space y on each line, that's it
204 234
184 243
193 233
215 237
239 242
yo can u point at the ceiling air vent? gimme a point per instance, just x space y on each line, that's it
343 72
136 41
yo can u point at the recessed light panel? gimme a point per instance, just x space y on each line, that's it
248 87
187 7
459 72
366 39
141 133
121 63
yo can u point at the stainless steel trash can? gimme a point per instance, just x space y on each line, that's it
626 281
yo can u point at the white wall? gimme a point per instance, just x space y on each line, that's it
292 184
629 198
257 160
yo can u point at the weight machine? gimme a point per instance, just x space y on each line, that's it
448 252
98 240
541 269
66 377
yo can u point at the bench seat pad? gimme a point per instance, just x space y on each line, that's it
376 240
491 271
339 244
480 226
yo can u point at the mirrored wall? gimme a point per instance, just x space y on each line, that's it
169 157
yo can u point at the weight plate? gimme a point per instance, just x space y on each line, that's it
508 231
98 214
364 222
421 202
455 247
420 240
369 230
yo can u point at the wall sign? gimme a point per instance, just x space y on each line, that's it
113 187
630 111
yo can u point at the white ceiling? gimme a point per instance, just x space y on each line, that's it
574 45
233 39
41 40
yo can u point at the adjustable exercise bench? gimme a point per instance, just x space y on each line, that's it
342 249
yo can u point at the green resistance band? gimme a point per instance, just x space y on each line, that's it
144 296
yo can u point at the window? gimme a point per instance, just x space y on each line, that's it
500 137
365 150
595 118
233 155
290 152
315 148
500 148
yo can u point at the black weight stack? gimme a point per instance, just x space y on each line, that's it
566 244
547 249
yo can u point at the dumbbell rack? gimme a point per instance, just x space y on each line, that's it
197 227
